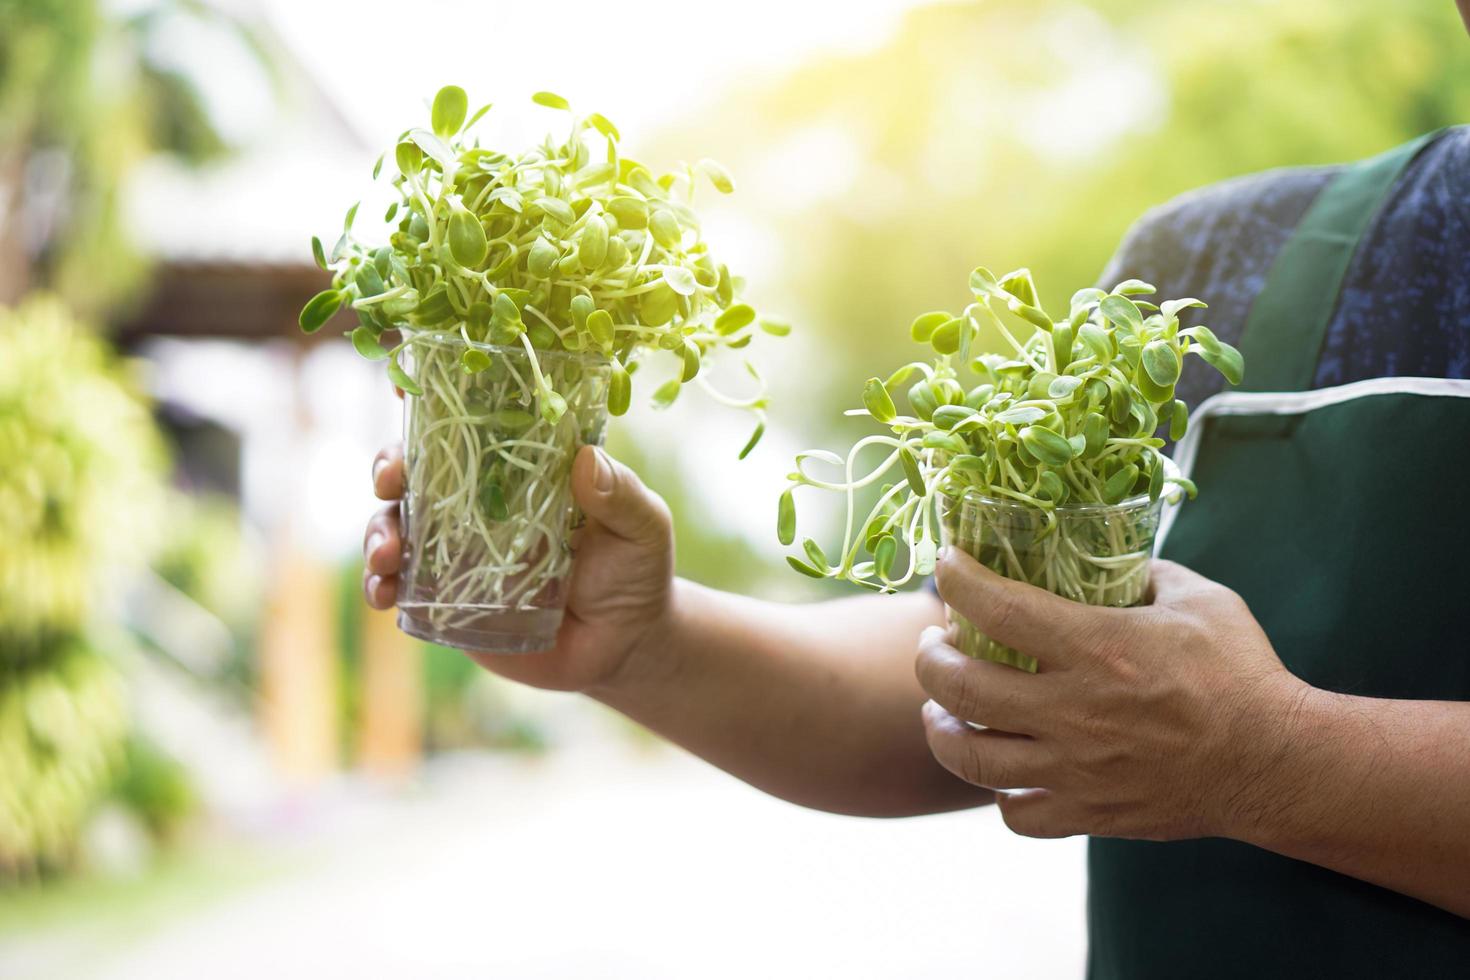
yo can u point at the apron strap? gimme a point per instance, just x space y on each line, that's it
1283 335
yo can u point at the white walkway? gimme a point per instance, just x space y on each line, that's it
617 863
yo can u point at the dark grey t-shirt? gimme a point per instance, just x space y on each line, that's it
1405 303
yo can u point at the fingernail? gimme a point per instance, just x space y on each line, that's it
372 586
374 543
378 465
942 553
603 478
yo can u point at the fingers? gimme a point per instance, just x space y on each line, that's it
381 592
612 495
989 758
388 472
381 549
1033 621
1036 813
381 556
990 694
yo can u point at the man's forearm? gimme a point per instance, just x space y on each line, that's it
1373 788
816 704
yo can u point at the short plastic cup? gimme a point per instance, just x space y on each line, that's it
1093 553
488 513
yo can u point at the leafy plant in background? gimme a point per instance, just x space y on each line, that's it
63 727
87 92
81 485
1065 425
522 285
81 491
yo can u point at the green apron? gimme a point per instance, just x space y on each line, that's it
1342 517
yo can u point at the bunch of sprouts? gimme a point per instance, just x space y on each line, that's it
1066 425
522 289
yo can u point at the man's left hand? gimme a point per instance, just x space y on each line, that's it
1158 722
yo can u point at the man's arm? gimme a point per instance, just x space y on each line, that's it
817 704
1177 720
1374 788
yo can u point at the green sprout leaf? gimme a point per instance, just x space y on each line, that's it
717 175
317 254
592 246
400 378
1226 360
1022 415
604 126
367 345
815 555
1120 484
447 114
600 326
666 393
680 280
1046 445
467 242
1121 311
878 402
1133 287
755 438
665 228
689 353
804 568
736 318
619 389
924 325
551 101
786 518
911 471
1178 420
409 157
319 309
885 550
474 360
1161 362
479 113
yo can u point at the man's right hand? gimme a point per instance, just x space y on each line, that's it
620 603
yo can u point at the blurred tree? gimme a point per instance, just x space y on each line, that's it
81 493
1033 132
85 95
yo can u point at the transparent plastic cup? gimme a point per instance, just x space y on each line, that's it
488 513
1093 553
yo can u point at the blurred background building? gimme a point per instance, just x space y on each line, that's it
214 760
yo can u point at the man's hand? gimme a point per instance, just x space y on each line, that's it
1156 722
619 602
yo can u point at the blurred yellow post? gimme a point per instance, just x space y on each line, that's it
390 737
298 665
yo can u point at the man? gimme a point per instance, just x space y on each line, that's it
1249 816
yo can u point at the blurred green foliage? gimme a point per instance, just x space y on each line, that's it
1032 133
156 788
63 722
81 489
81 496
88 90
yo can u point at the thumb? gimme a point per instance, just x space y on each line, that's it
613 496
